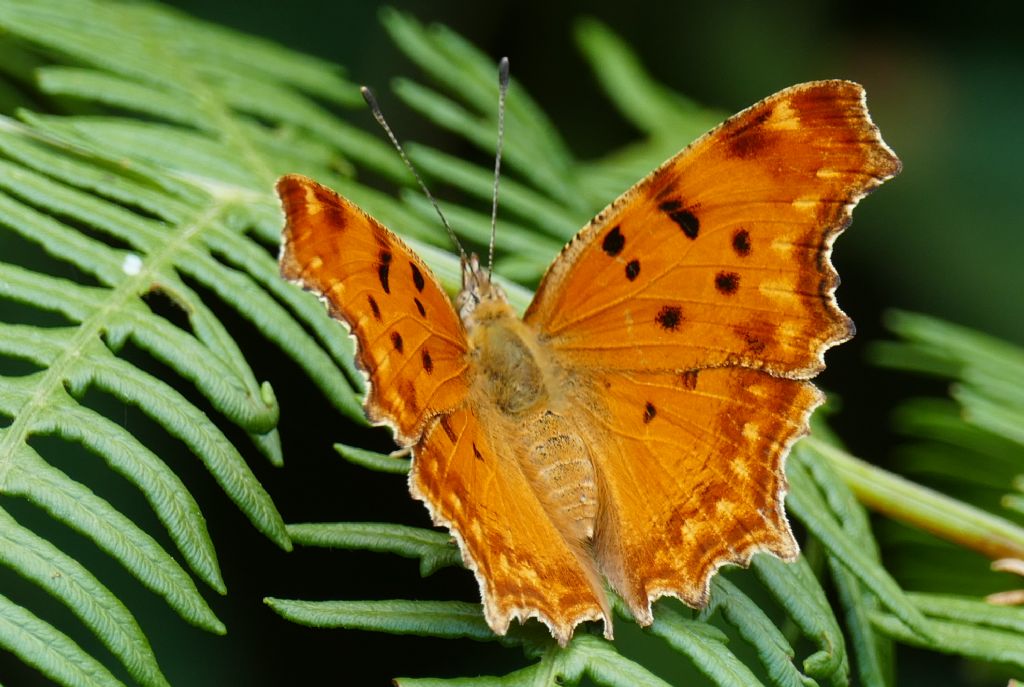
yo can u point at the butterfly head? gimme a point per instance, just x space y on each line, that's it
477 289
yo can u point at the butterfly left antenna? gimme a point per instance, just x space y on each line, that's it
379 116
502 91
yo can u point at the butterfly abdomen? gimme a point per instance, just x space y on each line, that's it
504 360
561 471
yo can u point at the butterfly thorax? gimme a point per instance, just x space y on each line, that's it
505 358
502 351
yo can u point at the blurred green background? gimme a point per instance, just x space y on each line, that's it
944 85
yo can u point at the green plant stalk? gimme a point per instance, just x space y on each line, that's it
927 509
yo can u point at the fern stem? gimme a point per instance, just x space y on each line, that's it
903 500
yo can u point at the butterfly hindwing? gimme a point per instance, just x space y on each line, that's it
409 340
691 473
721 255
469 475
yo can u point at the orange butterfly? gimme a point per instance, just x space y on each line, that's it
633 424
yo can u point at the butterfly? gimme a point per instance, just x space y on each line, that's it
632 425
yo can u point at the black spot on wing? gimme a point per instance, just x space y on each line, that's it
374 308
396 341
689 379
727 282
649 412
383 267
757 335
632 269
754 344
417 277
682 216
741 242
476 453
428 363
669 317
613 242
419 306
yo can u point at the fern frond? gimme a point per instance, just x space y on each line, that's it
798 590
171 195
989 372
968 449
753 625
434 549
55 654
449 619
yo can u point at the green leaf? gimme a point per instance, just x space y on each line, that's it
53 653
434 549
963 639
811 508
647 104
706 647
38 560
600 661
757 628
800 593
450 619
172 191
373 460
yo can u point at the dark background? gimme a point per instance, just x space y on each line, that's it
944 86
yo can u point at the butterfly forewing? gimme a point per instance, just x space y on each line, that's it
721 256
409 340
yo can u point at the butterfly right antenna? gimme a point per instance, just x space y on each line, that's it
379 116
502 91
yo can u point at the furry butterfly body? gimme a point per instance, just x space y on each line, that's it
632 426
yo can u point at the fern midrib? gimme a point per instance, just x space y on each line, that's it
90 328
